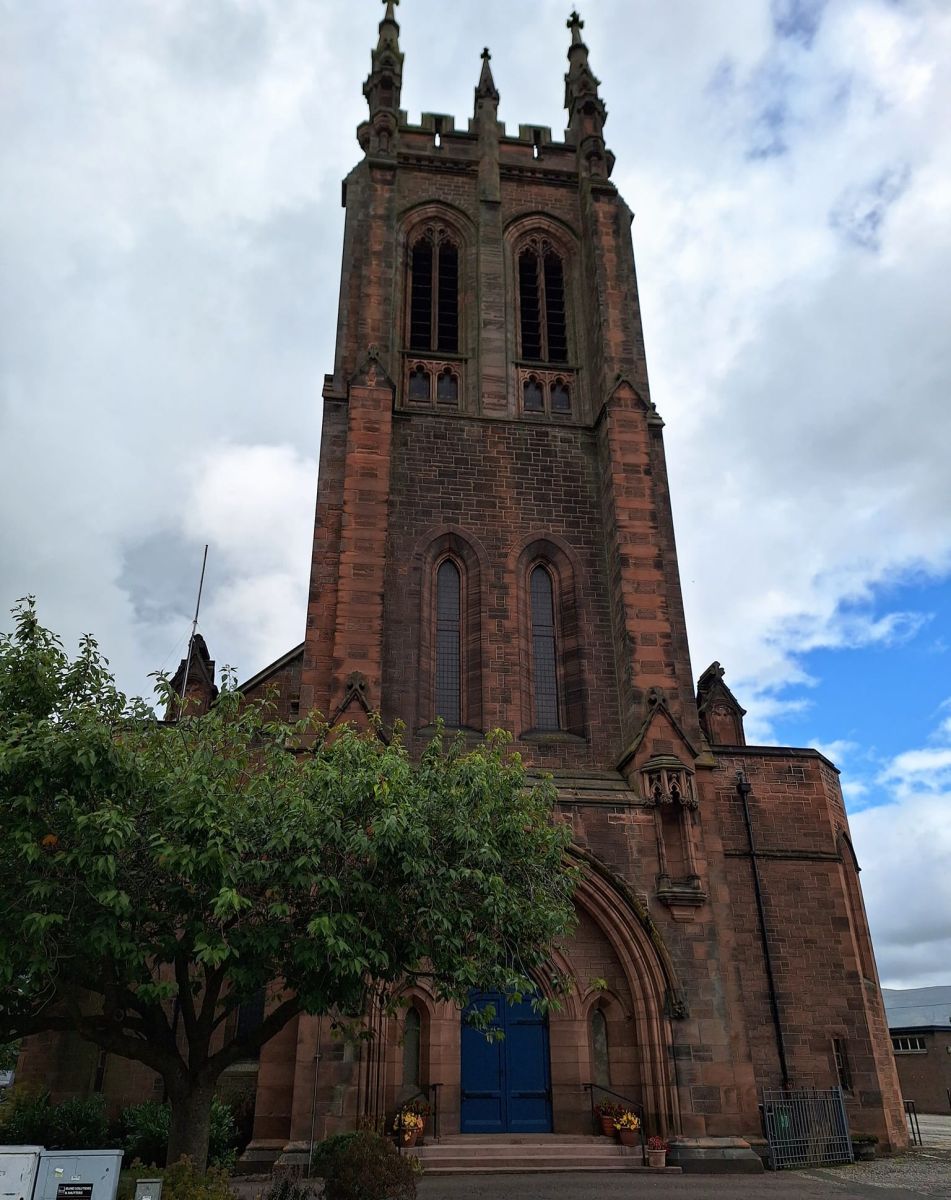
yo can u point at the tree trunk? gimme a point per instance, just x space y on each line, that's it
191 1123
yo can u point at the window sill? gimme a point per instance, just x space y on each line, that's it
431 730
552 736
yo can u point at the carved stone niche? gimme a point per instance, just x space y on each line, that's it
665 780
668 787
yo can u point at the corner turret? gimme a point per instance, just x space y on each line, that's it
587 113
377 136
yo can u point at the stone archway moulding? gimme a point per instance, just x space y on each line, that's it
648 970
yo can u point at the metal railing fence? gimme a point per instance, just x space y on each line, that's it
806 1127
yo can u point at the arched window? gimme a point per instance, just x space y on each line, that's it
544 657
434 293
541 296
448 641
600 1062
411 1047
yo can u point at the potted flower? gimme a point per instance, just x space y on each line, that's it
627 1124
656 1152
421 1108
607 1110
407 1125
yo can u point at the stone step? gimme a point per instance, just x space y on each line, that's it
530 1150
500 1153
535 1167
524 1139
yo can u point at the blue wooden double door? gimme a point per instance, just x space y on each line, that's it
506 1082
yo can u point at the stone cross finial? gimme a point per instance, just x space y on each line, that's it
486 55
575 24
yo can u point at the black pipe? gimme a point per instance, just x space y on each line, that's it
744 789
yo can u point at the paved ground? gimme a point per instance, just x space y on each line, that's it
907 1178
924 1172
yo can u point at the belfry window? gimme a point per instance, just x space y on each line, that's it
544 660
448 642
434 294
541 296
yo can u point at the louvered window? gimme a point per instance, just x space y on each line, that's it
544 660
541 294
448 642
434 294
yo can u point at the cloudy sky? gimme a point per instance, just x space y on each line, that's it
170 231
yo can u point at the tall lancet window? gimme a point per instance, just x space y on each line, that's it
434 294
541 296
448 641
544 659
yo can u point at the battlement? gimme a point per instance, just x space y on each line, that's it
438 134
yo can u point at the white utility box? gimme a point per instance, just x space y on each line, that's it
77 1175
18 1167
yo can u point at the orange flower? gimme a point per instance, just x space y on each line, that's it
50 840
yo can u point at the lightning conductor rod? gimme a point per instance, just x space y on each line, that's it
191 640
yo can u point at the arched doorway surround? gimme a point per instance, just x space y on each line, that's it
638 1002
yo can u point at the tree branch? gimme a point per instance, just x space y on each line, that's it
240 1048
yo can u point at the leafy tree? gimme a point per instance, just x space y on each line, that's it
153 876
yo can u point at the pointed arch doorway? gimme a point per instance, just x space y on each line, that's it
506 1082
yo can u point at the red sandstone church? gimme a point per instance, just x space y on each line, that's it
494 547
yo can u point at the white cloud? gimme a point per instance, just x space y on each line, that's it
172 248
904 847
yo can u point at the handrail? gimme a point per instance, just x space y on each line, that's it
633 1106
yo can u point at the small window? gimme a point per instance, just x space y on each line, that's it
843 1067
434 294
543 321
99 1078
448 642
447 387
419 385
411 1047
251 1017
545 674
560 397
533 397
909 1045
600 1062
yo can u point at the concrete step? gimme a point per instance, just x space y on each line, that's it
498 1154
535 1168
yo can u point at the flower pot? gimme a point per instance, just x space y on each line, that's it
657 1158
410 1137
864 1151
607 1125
627 1137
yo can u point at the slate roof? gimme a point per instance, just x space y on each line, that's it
918 1008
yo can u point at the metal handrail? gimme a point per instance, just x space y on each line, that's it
911 1112
633 1106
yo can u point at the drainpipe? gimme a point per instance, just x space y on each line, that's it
744 789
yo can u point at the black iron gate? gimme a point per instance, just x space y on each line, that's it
806 1127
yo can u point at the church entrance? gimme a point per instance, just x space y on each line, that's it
506 1084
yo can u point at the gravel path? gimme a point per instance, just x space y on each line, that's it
924 1172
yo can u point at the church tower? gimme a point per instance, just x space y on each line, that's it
494 548
494 543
